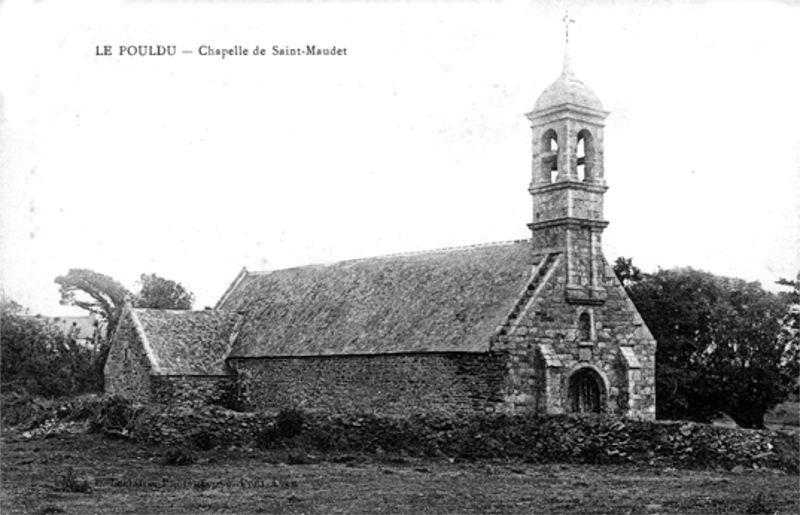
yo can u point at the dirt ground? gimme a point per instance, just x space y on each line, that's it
122 477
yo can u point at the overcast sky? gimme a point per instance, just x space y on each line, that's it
193 166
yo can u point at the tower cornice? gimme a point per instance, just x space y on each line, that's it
569 221
563 185
566 111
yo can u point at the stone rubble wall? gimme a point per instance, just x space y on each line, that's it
194 390
178 425
384 384
127 369
588 439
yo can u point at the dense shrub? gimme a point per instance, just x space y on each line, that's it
30 412
115 416
289 423
38 359
24 411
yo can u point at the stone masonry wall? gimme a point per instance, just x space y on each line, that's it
194 390
623 323
562 438
549 238
581 258
385 384
127 370
547 348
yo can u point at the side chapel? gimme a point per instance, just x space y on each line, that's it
540 325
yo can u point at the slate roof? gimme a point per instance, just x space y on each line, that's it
450 300
188 342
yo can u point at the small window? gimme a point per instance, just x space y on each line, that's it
585 327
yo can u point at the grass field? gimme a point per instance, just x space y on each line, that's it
125 478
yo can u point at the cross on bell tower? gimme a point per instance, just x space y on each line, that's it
568 183
567 20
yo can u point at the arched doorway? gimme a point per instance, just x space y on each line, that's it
586 392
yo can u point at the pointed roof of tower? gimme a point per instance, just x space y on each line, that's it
567 89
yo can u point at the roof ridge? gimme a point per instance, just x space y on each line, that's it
211 312
497 243
142 334
232 286
440 250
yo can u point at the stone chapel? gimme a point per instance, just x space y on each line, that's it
540 325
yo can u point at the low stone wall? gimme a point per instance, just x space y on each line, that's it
194 390
181 425
534 439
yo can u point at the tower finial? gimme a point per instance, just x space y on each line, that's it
567 20
567 68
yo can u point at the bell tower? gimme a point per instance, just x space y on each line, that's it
568 182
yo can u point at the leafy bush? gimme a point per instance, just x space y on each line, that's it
289 423
39 359
115 416
26 411
30 412
82 407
